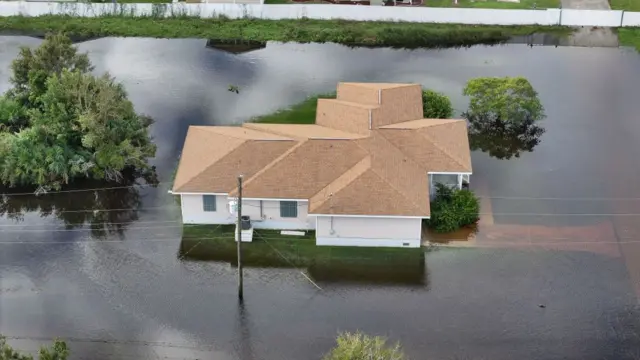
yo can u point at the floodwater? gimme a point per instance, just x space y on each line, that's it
554 275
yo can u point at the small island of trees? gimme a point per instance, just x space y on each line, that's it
59 123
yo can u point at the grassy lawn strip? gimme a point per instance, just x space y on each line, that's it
629 5
628 36
390 34
493 4
271 249
301 113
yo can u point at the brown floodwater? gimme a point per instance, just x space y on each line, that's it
552 276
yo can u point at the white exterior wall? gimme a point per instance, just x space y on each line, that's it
369 231
631 19
607 18
271 215
567 17
193 213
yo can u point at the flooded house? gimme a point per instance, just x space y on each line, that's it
362 175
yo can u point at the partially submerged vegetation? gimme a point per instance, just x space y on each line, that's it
359 346
57 121
353 33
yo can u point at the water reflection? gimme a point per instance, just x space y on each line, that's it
405 268
236 46
107 211
502 139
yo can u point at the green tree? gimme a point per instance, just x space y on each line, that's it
509 98
453 209
436 105
60 123
58 351
357 346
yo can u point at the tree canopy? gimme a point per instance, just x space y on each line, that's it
509 98
436 105
60 123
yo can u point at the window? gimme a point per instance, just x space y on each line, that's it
289 209
446 179
209 203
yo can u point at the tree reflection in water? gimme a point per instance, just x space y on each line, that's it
107 211
502 139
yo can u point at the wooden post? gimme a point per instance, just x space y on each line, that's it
240 294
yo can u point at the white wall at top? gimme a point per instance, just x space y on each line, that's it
565 17
631 19
193 213
271 218
368 231
608 18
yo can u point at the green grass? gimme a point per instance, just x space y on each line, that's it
629 5
271 249
388 34
628 36
493 4
301 113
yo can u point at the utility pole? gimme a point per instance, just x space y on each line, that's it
240 295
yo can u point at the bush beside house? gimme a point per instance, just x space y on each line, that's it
453 209
436 105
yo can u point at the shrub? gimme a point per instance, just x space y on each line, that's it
58 351
436 105
453 209
357 346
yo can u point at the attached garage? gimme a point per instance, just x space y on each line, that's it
375 231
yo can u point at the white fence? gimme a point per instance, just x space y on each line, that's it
566 17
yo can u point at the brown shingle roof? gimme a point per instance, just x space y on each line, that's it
370 194
438 145
368 154
305 170
213 157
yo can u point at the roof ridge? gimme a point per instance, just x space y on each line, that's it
270 165
362 105
358 169
385 180
218 128
257 127
435 143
